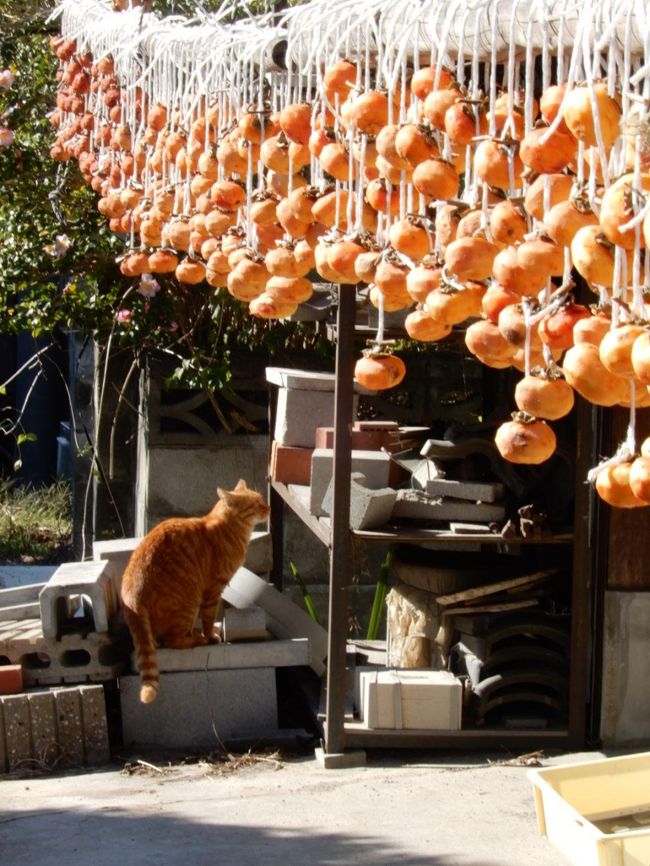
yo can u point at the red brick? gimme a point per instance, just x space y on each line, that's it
11 679
290 465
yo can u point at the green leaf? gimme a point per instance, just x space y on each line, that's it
26 437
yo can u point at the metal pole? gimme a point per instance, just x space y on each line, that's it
340 542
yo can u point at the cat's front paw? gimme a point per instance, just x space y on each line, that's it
214 638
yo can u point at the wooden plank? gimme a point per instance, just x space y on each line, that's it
491 608
492 588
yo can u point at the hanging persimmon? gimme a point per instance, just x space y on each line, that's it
544 396
525 440
378 371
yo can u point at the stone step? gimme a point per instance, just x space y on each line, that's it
61 727
75 658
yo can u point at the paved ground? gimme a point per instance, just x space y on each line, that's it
422 811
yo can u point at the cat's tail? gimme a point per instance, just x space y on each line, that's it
145 650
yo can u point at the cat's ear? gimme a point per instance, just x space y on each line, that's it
241 485
222 494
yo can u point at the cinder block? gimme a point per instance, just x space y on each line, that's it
290 465
11 679
248 623
473 491
90 579
75 658
201 709
415 505
375 465
17 729
369 509
42 712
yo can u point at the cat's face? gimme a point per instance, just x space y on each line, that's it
249 503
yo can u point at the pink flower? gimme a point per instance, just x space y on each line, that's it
6 79
173 326
124 317
148 287
6 136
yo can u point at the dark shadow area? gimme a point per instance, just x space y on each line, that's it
110 836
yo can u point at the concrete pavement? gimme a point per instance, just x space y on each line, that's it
398 809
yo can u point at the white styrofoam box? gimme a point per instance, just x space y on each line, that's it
597 813
411 699
300 380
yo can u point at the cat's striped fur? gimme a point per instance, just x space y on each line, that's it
179 570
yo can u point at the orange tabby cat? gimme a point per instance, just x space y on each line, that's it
179 570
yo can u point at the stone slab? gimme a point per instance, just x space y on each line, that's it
300 380
201 709
374 465
95 728
62 727
625 702
474 491
339 760
91 579
43 718
414 505
285 620
221 656
76 658
369 509
17 729
69 726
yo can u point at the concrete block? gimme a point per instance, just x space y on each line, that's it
201 709
474 491
91 580
75 658
415 505
62 726
11 679
95 728
300 380
43 721
290 465
299 413
625 702
15 710
70 726
369 509
339 760
258 654
259 554
375 465
284 619
244 624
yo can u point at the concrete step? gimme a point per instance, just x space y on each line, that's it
224 656
62 727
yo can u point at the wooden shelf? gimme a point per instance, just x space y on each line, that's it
297 498
357 736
